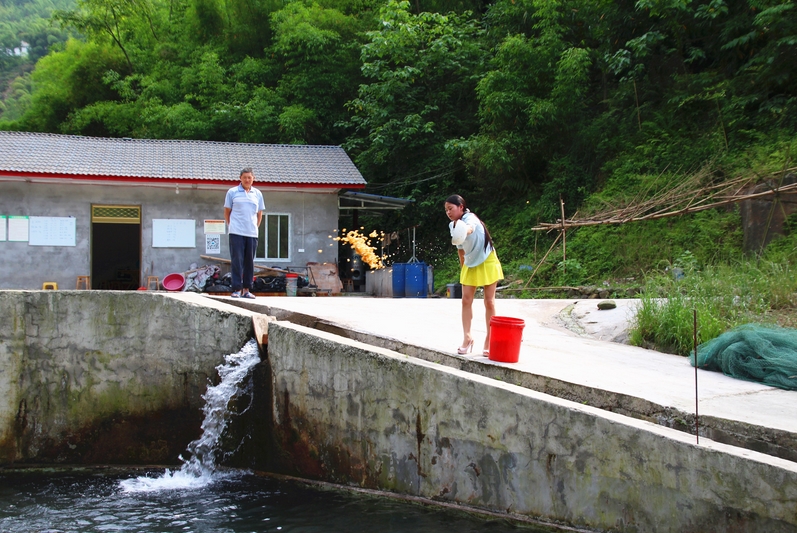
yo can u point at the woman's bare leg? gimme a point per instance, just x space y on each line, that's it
489 309
468 292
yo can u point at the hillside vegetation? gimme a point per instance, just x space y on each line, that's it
27 33
515 104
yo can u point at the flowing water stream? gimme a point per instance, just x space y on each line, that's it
202 497
201 469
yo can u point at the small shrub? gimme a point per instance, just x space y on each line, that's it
569 272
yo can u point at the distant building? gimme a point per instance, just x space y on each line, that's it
21 50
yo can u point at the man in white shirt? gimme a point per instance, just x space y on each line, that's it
243 212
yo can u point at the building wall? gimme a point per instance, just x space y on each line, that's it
314 217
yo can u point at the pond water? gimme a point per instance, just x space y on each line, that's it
102 500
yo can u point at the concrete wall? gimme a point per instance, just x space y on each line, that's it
314 217
765 218
349 413
108 377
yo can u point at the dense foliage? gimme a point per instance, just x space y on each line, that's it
26 35
515 104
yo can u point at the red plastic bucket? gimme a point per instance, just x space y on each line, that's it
505 336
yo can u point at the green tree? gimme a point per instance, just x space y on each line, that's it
66 81
133 26
422 71
17 98
317 53
534 103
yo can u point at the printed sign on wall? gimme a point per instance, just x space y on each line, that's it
212 244
215 226
18 228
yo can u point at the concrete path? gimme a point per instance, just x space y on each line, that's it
568 340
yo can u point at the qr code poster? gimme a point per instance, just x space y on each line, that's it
212 244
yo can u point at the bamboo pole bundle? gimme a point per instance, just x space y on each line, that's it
686 196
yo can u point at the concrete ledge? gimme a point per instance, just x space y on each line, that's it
350 413
771 441
108 377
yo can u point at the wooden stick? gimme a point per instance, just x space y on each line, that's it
222 260
194 270
542 260
697 428
564 236
506 288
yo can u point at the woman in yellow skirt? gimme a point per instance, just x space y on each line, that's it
480 266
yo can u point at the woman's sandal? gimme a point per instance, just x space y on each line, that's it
462 350
486 353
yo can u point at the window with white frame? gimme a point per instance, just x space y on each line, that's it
273 237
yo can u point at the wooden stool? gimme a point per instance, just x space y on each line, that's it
50 285
150 281
82 283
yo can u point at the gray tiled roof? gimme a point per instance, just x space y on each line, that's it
70 155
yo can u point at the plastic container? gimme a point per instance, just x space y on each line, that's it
398 279
506 333
415 280
174 282
291 282
453 290
459 233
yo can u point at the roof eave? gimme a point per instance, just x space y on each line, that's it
89 179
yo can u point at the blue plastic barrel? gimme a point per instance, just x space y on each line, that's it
415 280
398 279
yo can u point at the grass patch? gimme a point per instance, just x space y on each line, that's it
724 296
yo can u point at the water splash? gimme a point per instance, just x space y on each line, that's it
201 469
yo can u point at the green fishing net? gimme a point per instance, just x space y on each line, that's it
764 354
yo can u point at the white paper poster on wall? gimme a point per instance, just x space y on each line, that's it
52 231
212 244
18 228
173 233
3 227
215 226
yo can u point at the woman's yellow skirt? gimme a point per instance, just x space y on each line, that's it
485 274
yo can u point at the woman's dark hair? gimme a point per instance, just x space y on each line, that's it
459 201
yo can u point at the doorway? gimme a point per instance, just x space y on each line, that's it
115 247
